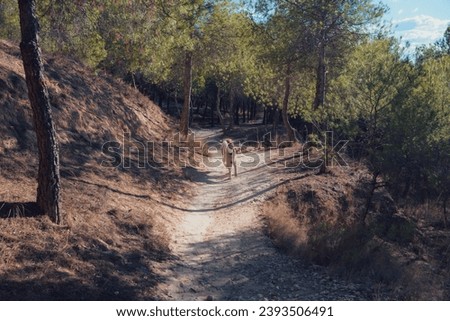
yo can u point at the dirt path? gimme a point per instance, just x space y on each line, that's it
224 254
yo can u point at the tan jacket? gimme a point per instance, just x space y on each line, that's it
228 152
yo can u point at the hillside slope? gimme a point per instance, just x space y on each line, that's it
318 218
113 231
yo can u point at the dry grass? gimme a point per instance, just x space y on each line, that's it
105 251
114 217
317 218
284 228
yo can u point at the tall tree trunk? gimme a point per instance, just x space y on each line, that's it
265 117
373 187
276 120
197 111
253 106
48 191
237 108
187 88
244 110
160 99
175 100
219 113
168 102
232 109
444 207
248 109
204 112
319 98
287 93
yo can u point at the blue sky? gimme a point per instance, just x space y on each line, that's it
418 21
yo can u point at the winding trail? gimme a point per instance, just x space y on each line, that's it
223 253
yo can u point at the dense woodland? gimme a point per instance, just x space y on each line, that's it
318 65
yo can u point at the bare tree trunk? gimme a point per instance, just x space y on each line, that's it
287 93
219 113
232 109
187 87
373 187
48 191
168 102
249 110
175 100
236 111
134 80
265 117
320 78
160 99
204 111
444 207
276 119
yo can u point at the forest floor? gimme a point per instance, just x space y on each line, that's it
222 250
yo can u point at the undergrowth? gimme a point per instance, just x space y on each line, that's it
318 219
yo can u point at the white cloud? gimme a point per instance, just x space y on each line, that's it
420 29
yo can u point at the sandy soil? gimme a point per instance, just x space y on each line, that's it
223 253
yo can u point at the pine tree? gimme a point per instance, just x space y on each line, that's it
48 191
